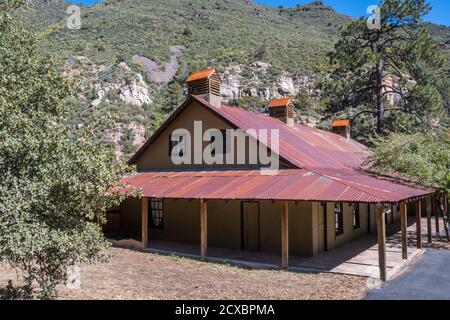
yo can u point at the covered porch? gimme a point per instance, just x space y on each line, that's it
378 255
203 211
359 257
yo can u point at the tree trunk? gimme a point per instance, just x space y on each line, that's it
442 206
380 98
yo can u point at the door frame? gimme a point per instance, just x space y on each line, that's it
242 224
325 226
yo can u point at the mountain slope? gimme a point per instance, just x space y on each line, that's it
131 56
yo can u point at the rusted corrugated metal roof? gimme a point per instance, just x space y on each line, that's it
300 145
340 123
203 74
275 103
327 168
291 184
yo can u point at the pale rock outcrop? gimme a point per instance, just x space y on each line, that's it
286 85
234 86
131 91
231 82
135 92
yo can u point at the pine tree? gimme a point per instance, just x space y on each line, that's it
388 69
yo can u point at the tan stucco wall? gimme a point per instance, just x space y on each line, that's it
156 156
300 228
130 218
349 233
182 224
224 224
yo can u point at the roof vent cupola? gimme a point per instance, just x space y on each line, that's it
282 109
341 127
205 83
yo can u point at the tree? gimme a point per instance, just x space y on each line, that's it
395 64
55 182
422 157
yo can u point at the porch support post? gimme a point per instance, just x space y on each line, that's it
435 210
285 234
404 224
203 228
144 214
429 229
419 224
381 228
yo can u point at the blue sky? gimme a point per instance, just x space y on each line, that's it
356 8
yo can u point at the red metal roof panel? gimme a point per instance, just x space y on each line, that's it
298 185
330 169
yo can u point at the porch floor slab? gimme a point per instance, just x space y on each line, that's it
358 257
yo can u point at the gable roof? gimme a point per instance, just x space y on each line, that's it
332 160
275 103
287 185
340 123
300 145
199 75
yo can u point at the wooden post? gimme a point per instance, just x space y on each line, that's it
144 214
404 224
419 224
429 229
285 234
381 228
203 228
435 210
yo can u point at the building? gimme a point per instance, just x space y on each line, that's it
316 197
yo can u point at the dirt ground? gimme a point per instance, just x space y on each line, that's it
135 275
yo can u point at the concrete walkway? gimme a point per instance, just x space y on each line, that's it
428 278
360 258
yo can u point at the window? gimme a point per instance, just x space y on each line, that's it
356 217
339 218
178 142
156 214
225 143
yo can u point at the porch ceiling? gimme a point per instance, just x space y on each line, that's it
346 185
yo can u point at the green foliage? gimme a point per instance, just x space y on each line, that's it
398 61
56 183
215 33
305 105
420 156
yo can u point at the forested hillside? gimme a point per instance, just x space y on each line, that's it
130 57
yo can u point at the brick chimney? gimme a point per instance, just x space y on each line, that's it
341 127
282 109
205 83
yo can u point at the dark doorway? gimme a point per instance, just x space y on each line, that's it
323 236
